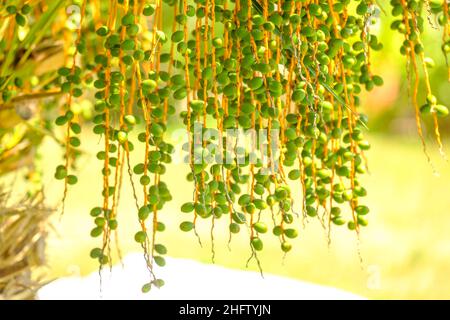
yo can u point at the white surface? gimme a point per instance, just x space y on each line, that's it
186 279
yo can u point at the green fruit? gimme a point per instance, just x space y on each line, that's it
11 9
146 288
157 130
186 226
61 172
187 207
217 211
96 253
97 231
343 171
362 221
145 180
103 259
148 85
431 99
113 224
323 173
161 36
244 199
128 44
75 127
217 42
148 10
21 20
255 83
158 283
207 73
260 227
339 221
132 31
311 211
294 174
102 31
275 87
154 155
327 106
177 36
277 231
335 211
298 95
160 249
144 212
238 217
138 55
429 62
362 210
130 120
160 227
260 204
257 244
61 120
377 80
180 94
65 87
139 168
281 193
286 246
140 237
122 136
362 8
441 111
425 109
291 134
127 19
71 179
160 261
291 233
100 221
234 228
351 225
74 142
96 211
197 105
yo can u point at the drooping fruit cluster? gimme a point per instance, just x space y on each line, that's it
284 75
411 24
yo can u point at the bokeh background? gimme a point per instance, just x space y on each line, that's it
403 253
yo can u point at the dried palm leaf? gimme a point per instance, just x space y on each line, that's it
22 242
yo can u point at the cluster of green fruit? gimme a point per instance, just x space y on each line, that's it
19 14
288 66
127 69
412 25
293 67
